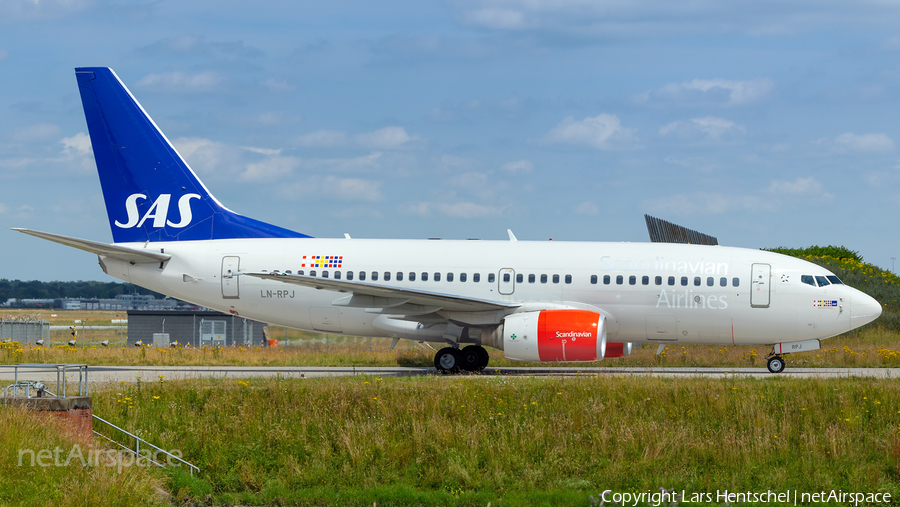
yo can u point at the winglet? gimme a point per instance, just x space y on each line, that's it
512 237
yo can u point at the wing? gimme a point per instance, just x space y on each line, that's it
385 299
119 252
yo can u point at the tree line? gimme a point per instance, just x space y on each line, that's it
35 289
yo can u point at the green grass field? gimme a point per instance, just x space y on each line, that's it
507 441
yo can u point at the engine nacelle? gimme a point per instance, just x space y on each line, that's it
555 335
615 349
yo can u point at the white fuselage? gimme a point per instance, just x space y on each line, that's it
731 295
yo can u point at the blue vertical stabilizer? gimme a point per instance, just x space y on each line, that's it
151 194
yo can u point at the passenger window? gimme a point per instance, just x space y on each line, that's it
555 278
374 276
736 282
658 280
476 277
594 279
399 276
491 278
362 275
671 280
532 279
387 276
684 281
605 279
462 277
349 275
412 276
808 280
324 274
312 273
543 278
723 282
506 278
337 275
287 272
696 281
449 277
424 276
835 280
632 280
645 280
300 272
519 278
710 281
568 278
620 279
437 276
822 281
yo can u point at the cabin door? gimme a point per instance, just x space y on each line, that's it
760 285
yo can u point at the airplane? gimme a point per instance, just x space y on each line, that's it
534 300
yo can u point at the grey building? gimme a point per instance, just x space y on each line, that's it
193 328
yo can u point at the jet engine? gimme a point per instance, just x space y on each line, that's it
556 335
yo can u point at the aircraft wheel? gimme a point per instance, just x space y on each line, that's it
470 358
448 360
484 359
775 364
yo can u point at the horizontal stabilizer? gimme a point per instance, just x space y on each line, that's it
662 231
385 296
118 252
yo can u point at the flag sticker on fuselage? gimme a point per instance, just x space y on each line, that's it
324 261
824 303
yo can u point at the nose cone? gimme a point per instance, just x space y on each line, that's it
864 310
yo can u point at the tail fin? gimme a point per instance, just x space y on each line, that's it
151 194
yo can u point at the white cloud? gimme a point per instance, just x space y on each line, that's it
270 169
348 189
498 19
603 132
35 132
455 210
209 157
718 91
182 81
262 151
384 139
706 203
809 188
519 166
354 164
587 208
79 144
864 143
13 11
4 54
708 127
279 85
3 208
322 139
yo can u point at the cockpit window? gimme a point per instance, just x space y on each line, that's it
835 280
822 281
808 279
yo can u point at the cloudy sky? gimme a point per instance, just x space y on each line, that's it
762 123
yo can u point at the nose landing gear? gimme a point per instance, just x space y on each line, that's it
775 364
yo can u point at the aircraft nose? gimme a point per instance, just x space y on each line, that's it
865 309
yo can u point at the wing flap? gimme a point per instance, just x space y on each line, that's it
119 252
393 299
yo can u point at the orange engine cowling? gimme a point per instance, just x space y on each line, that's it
616 349
555 335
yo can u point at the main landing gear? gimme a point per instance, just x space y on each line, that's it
775 364
453 360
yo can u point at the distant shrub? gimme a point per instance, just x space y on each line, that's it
835 252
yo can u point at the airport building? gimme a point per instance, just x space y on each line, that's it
194 328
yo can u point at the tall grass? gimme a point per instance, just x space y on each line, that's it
73 484
515 441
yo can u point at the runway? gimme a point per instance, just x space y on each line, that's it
169 373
